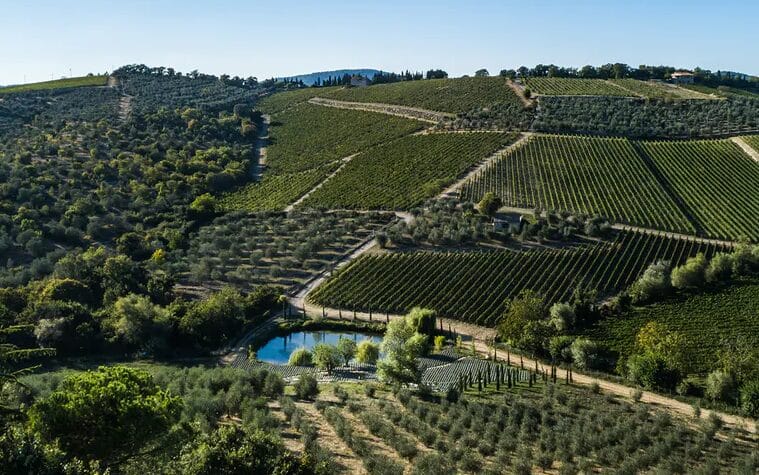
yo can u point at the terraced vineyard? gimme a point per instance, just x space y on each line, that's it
275 192
307 144
308 136
474 286
402 174
444 95
588 175
654 90
704 319
716 180
575 87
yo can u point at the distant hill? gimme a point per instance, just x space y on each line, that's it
309 79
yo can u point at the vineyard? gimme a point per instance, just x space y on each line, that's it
444 95
245 250
575 87
275 192
752 140
83 81
657 90
717 181
646 118
404 173
705 319
280 102
307 144
588 175
475 286
308 136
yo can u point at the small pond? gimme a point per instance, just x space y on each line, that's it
278 350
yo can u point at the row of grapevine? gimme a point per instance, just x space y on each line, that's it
475 286
405 172
575 87
444 95
716 180
581 174
275 192
752 140
307 136
658 90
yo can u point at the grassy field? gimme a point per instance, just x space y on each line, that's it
718 182
83 81
588 175
404 173
705 319
657 90
475 286
444 95
575 87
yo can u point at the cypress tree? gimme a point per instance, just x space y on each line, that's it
521 362
479 383
529 379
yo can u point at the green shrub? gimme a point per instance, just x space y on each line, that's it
720 268
300 357
750 398
306 387
721 386
586 354
690 274
439 342
652 285
652 372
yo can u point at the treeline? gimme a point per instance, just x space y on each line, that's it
383 77
161 71
642 72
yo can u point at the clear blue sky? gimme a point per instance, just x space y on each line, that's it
264 39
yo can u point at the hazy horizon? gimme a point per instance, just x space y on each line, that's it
266 40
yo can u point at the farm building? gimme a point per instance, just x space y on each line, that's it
682 77
359 81
509 222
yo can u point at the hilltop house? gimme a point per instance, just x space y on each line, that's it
359 81
682 77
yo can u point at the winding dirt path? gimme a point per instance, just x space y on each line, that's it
415 113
